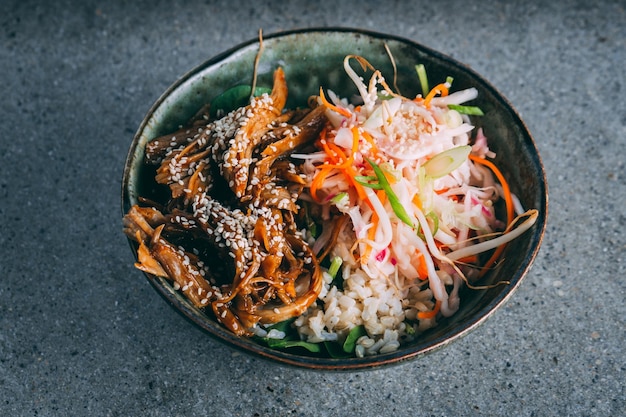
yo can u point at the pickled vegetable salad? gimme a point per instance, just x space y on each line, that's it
419 193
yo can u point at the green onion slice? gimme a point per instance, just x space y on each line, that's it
469 110
366 181
339 197
335 264
433 217
447 161
393 198
355 333
421 75
286 344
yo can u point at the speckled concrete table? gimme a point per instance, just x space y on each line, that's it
82 332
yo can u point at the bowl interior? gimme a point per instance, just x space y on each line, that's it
314 58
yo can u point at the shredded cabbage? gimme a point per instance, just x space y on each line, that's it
404 171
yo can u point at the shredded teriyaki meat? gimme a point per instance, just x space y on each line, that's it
233 195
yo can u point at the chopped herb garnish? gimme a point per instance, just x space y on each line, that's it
469 110
397 207
355 334
335 264
423 78
447 161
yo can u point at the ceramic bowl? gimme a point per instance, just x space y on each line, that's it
313 58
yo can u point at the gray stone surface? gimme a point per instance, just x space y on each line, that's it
82 332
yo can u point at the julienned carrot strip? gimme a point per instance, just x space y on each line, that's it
337 109
508 201
430 314
371 141
332 155
341 160
341 156
337 159
318 180
472 259
422 268
356 137
441 89
382 196
391 179
358 187
417 201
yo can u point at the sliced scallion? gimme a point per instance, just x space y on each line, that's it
469 110
433 218
447 161
423 79
355 334
397 207
285 344
339 198
366 181
335 264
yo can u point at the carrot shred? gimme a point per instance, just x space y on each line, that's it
336 158
356 137
358 187
382 196
342 111
440 89
508 200
430 314
391 179
318 181
422 268
417 201
371 141
472 259
331 154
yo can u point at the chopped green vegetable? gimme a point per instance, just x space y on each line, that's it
235 97
336 199
335 264
365 180
449 80
421 75
350 344
282 326
341 200
469 110
290 340
285 344
447 161
433 217
383 95
347 349
393 198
